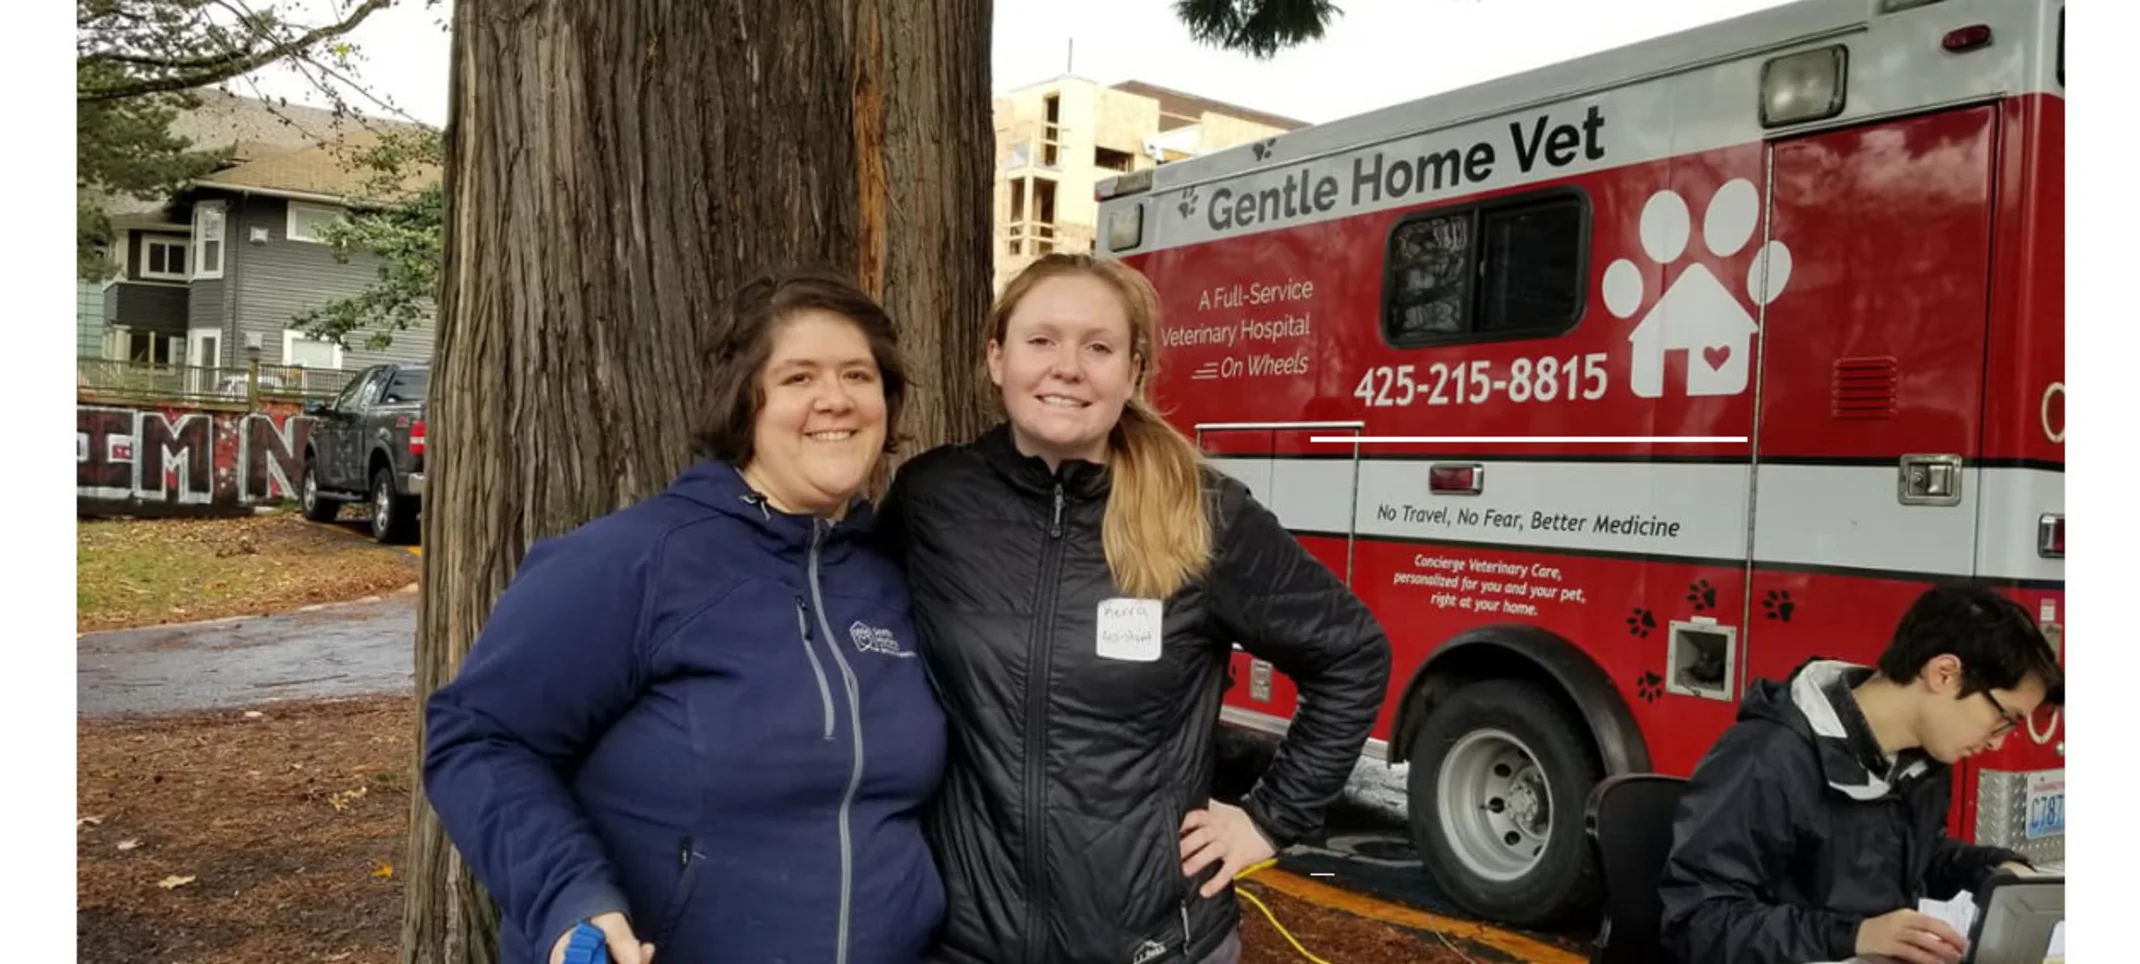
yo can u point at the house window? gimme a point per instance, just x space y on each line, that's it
308 222
298 349
144 347
164 257
208 239
1512 268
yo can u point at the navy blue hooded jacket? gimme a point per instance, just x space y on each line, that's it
707 714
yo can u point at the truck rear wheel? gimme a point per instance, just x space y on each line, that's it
1499 774
393 517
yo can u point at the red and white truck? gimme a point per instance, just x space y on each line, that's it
1614 385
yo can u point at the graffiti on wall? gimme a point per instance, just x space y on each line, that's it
187 457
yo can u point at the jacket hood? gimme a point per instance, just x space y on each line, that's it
719 485
1816 703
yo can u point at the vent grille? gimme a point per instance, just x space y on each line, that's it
1864 388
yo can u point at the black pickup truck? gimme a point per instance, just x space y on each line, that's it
368 444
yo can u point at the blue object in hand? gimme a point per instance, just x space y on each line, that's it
587 946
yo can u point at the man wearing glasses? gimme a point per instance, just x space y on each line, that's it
1818 821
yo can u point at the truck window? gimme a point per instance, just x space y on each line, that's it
347 399
1513 268
410 385
368 395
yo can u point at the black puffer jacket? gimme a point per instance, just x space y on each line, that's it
1069 773
1794 830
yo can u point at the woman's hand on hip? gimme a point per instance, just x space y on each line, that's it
1223 833
624 946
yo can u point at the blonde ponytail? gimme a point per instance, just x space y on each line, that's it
1156 531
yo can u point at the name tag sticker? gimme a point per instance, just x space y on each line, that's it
1130 629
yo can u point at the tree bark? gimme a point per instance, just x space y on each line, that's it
614 170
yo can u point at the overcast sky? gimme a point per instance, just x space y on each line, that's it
1378 53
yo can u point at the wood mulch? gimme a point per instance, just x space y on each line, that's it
225 838
272 837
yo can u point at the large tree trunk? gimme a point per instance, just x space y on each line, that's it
615 169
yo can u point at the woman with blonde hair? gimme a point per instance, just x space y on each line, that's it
1079 579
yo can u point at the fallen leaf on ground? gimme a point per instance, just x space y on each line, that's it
383 870
129 844
87 820
174 881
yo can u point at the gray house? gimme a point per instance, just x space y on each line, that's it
215 276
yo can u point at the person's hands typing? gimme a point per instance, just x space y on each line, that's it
1910 936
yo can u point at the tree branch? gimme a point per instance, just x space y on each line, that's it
216 69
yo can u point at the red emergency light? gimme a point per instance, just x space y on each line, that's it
1966 38
1451 479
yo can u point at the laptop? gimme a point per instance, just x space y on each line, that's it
2016 918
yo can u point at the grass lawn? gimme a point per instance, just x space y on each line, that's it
147 572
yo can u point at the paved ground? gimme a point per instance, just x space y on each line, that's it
340 650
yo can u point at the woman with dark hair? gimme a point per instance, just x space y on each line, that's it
697 723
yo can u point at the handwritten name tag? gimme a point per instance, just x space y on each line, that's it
1130 629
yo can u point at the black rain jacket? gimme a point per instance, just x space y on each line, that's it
1796 828
1069 773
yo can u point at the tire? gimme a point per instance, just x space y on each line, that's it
316 507
393 517
1500 774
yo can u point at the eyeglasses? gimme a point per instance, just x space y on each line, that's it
2007 720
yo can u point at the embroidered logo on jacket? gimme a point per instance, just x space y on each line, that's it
1149 951
871 639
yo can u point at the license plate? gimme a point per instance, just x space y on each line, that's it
2046 805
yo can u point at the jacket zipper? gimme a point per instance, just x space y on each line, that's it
824 691
679 901
854 716
1036 679
1180 811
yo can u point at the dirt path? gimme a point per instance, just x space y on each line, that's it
350 649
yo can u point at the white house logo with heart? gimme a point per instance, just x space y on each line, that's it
873 639
1696 314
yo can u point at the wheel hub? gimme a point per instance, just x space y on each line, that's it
1496 808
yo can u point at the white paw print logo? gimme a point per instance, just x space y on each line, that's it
1697 315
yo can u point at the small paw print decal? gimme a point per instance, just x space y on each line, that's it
1702 595
1649 686
1187 207
1696 316
1641 623
1779 605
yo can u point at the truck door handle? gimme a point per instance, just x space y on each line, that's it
1929 480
